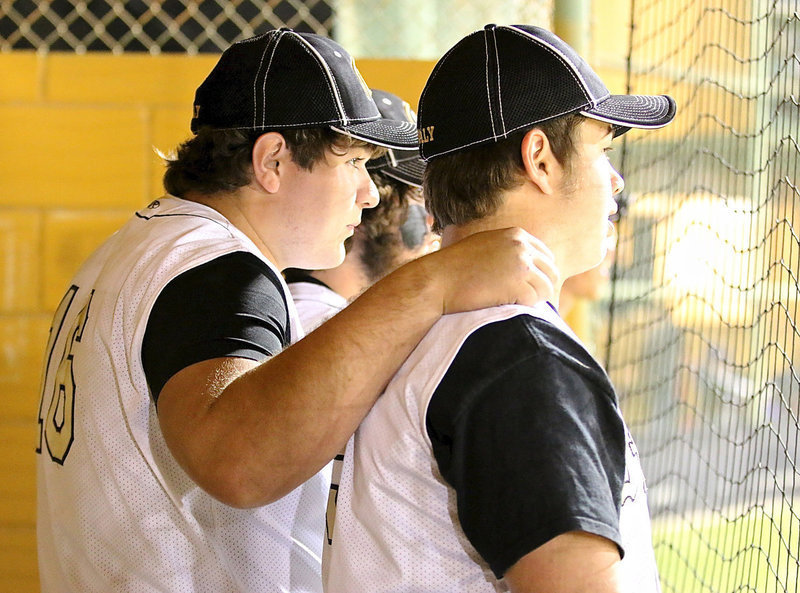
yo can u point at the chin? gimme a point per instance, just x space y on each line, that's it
330 260
598 260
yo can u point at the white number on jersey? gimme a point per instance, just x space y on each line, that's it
57 406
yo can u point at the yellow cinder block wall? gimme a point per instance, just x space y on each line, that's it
76 158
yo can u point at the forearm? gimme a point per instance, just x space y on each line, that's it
277 424
249 434
357 351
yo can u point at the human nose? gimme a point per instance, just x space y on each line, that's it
367 195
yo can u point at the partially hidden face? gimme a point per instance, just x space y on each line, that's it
587 201
326 206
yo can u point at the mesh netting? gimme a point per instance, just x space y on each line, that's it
704 344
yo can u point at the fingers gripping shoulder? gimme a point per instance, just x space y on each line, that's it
496 267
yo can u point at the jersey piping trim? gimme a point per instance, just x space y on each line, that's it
215 221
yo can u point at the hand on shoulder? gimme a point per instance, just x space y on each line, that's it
489 268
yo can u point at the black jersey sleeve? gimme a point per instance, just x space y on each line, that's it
525 427
231 306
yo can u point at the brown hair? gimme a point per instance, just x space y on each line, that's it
221 160
468 185
380 232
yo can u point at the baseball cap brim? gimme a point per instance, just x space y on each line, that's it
634 111
383 132
404 165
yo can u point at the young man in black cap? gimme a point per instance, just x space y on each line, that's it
394 232
179 451
497 458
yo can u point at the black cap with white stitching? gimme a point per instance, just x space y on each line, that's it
403 165
504 79
286 79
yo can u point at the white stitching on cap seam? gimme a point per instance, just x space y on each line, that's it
438 154
499 90
330 78
305 124
622 122
264 84
487 138
486 77
561 57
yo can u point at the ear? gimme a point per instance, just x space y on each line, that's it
269 153
541 165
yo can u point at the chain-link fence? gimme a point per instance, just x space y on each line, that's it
154 27
419 29
704 339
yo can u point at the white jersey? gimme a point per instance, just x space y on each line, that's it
315 303
396 527
115 510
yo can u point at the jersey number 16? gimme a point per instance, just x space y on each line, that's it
57 406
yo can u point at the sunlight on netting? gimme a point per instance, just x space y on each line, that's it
722 551
704 342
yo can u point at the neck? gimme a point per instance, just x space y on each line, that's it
347 279
239 208
515 211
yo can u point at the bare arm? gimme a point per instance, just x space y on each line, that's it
574 562
249 433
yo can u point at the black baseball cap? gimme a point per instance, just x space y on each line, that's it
504 79
404 165
286 79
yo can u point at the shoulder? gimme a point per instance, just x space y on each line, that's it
230 306
169 238
524 408
501 345
232 278
523 358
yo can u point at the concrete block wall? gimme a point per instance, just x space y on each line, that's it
77 156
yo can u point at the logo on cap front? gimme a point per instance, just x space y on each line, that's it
425 134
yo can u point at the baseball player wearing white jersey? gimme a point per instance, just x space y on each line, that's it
487 396
181 447
120 513
497 458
